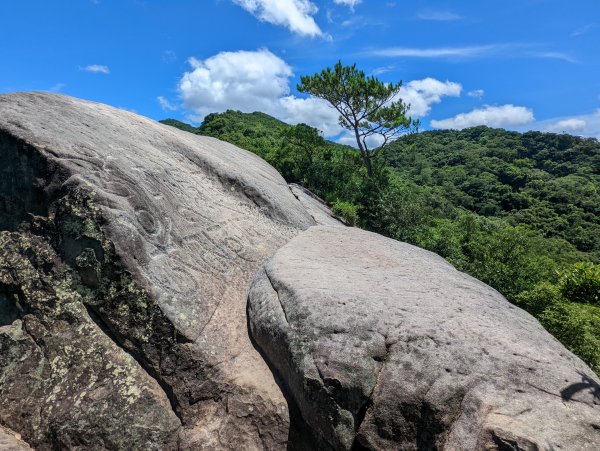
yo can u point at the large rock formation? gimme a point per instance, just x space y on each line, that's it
386 346
127 249
62 378
126 254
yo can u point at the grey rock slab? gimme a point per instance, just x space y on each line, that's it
165 230
386 346
316 206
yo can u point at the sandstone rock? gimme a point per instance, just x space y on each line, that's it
316 206
11 441
387 346
159 232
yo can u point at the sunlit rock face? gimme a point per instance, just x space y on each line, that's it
386 346
165 291
134 244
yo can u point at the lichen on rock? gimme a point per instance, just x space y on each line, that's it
69 383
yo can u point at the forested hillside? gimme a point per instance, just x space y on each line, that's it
518 211
547 181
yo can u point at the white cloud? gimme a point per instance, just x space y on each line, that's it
349 3
555 55
441 52
568 125
511 50
96 69
476 93
165 104
443 16
582 30
349 139
242 80
382 70
259 81
296 15
312 111
492 116
251 81
422 94
583 125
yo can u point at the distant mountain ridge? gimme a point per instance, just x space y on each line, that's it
547 181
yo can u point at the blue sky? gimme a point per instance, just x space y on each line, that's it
516 64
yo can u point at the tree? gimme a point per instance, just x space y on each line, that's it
367 106
301 145
305 138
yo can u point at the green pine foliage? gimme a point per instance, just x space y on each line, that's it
518 211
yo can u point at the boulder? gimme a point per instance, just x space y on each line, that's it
146 238
383 345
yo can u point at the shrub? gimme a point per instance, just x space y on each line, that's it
345 210
581 283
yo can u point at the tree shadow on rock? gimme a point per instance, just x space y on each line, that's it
587 383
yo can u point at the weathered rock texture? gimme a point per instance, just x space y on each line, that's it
386 346
62 377
11 441
316 206
124 266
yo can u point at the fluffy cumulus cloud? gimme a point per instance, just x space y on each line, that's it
567 125
583 125
422 94
492 116
96 69
296 15
243 80
312 111
251 81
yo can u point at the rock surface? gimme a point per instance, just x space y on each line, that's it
386 346
11 441
146 237
316 206
63 378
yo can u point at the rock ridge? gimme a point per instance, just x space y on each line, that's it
159 232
